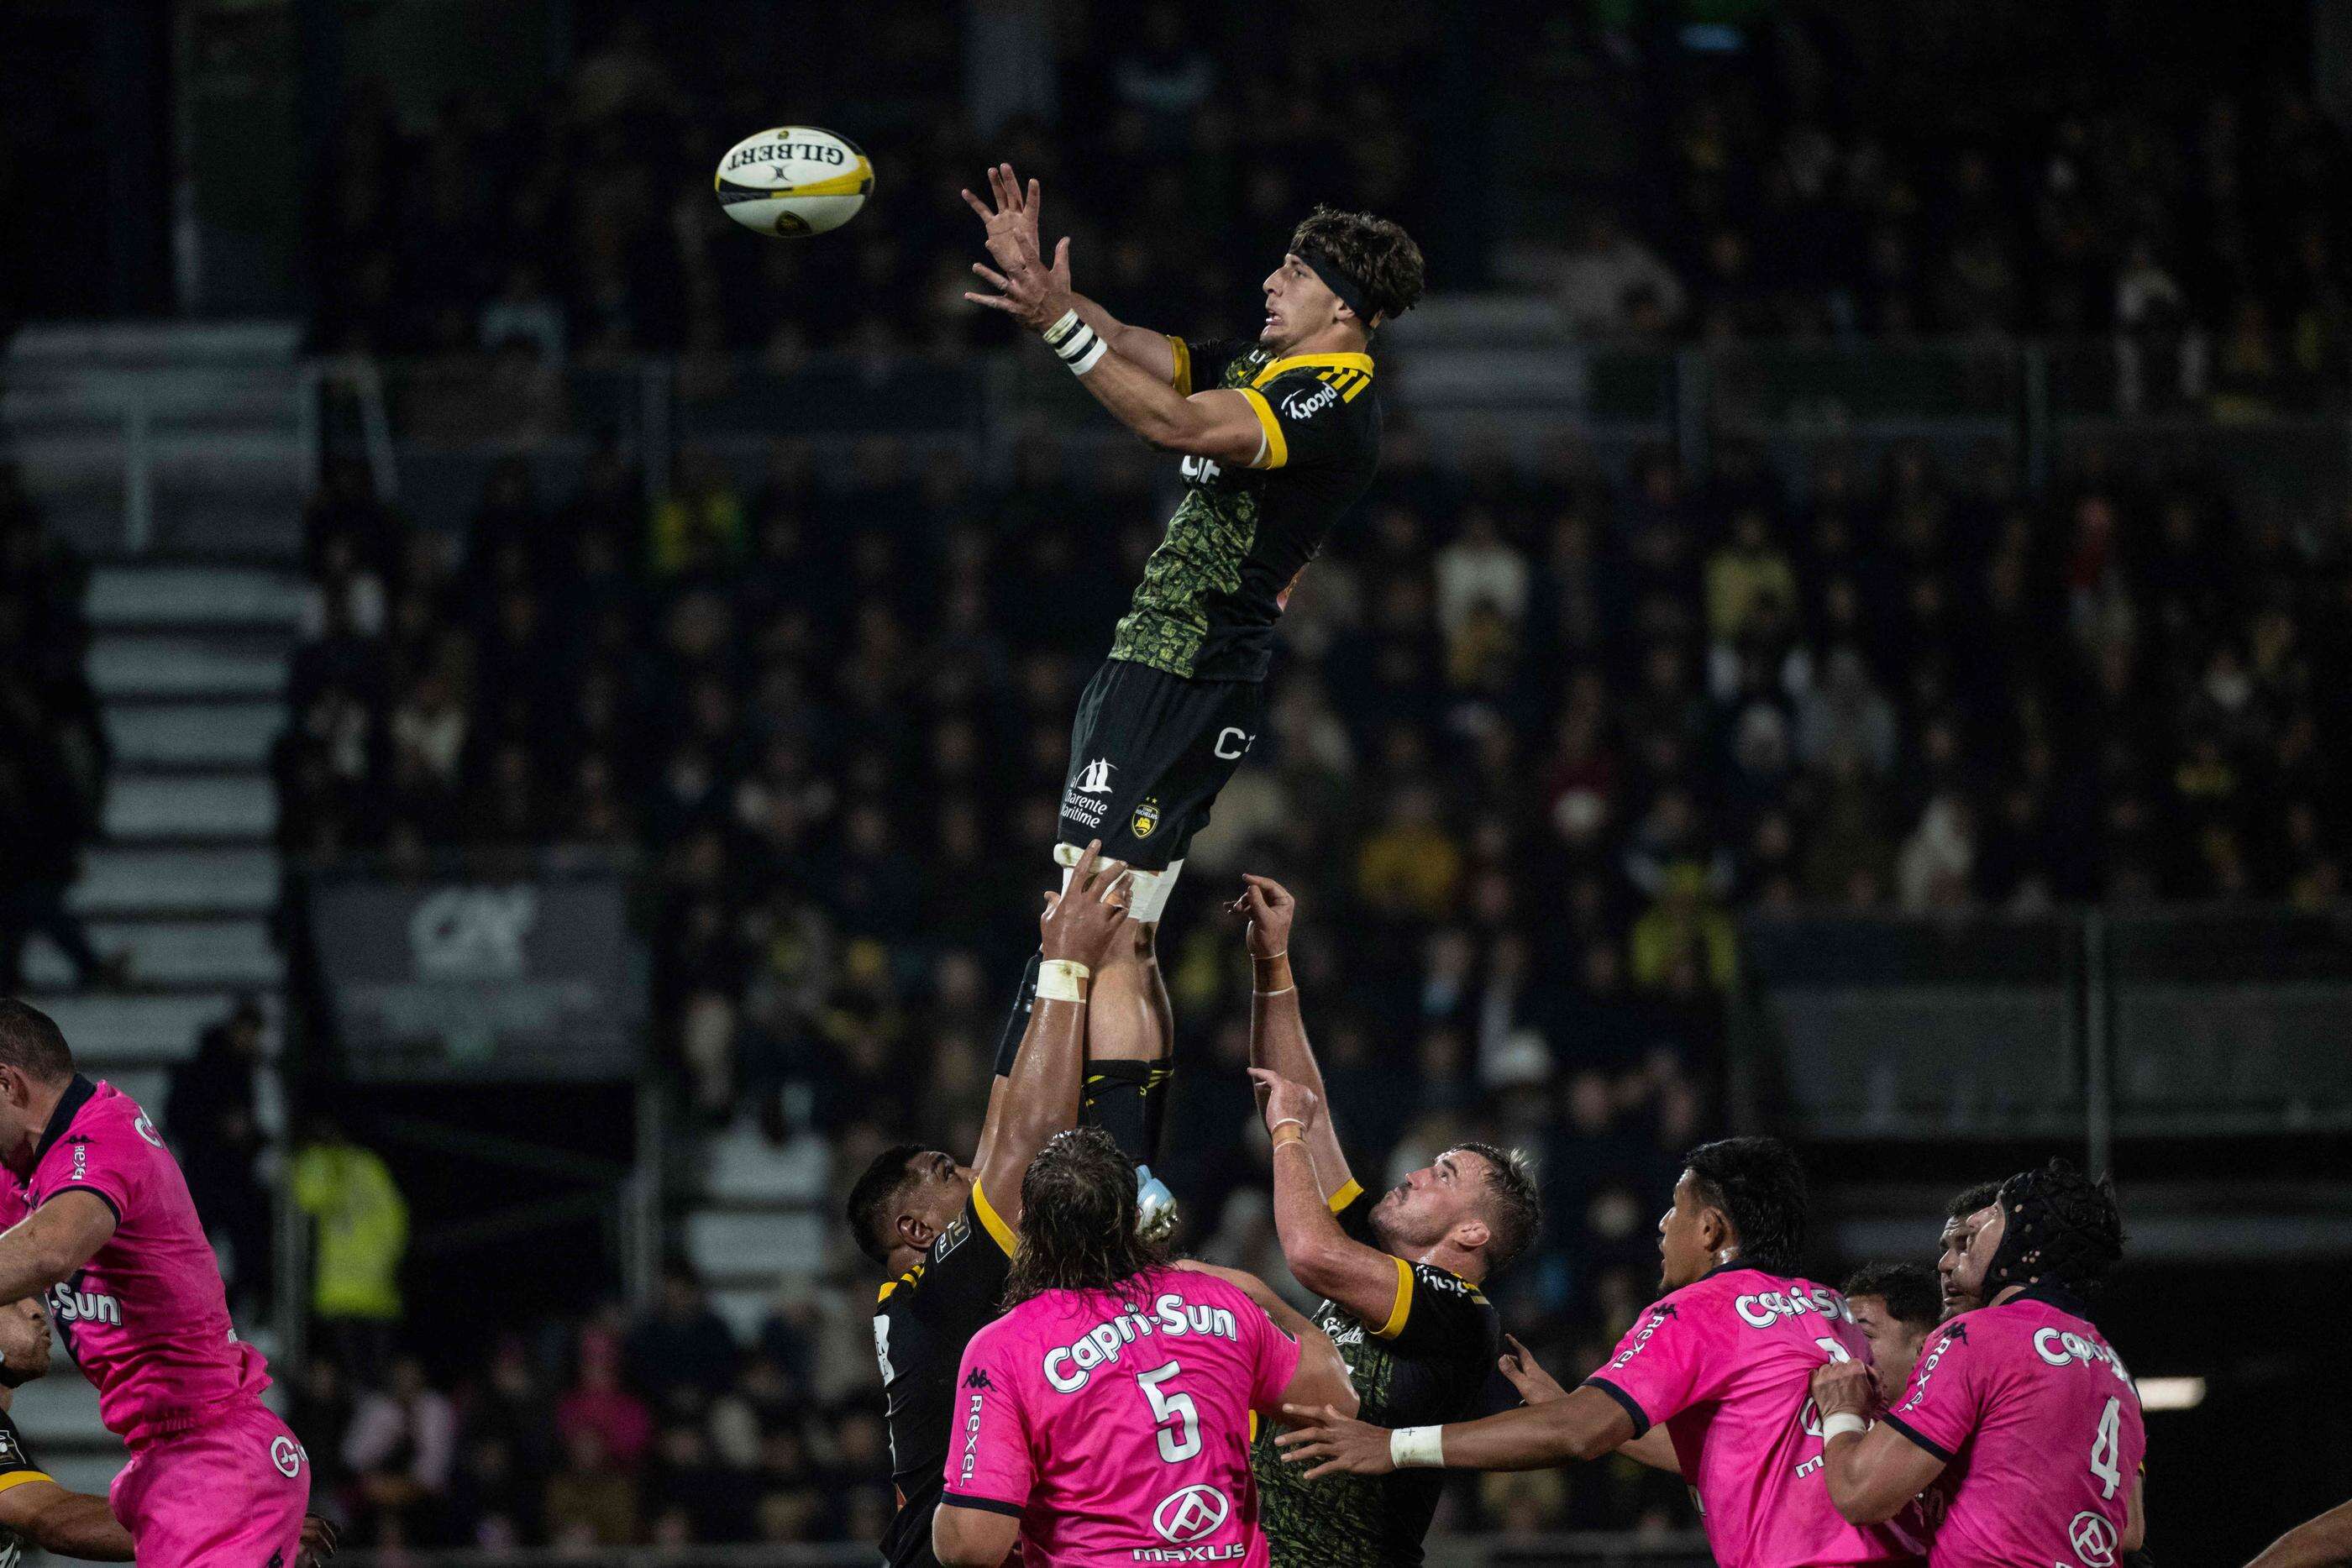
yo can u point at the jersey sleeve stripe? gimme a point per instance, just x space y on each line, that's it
1631 1406
1183 377
1905 1427
985 1504
1402 1310
1349 1191
1277 449
991 1221
18 1478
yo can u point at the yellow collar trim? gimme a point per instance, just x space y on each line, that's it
1303 361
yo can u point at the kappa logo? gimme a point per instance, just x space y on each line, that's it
1147 817
2094 1540
1093 779
979 1379
1188 1515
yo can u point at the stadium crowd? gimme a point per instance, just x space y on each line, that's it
1826 179
1537 739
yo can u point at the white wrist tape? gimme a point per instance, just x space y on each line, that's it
1062 980
1418 1447
1075 343
1844 1421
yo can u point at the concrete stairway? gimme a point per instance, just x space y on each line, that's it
175 457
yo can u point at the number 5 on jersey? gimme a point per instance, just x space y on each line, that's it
1173 1414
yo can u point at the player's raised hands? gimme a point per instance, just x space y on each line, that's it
1284 1098
1081 923
1844 1388
1536 1386
1333 1443
1268 908
1032 290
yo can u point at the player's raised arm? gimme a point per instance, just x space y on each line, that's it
1322 1255
1322 1377
1010 216
1277 1029
1040 1097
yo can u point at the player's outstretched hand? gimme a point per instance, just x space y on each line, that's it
1536 1386
1285 1099
1268 908
1081 923
1333 1443
318 1540
1844 1388
1032 291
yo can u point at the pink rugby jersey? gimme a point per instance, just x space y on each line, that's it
146 1319
1116 1424
2039 1426
1727 1363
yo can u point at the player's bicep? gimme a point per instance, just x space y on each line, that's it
1880 1472
1372 1285
968 1534
65 1232
1228 427
1166 358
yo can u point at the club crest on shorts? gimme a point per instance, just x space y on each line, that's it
1147 817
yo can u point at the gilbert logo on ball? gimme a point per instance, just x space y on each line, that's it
794 181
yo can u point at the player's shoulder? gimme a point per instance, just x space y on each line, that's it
1318 387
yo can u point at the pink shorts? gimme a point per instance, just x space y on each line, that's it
229 1494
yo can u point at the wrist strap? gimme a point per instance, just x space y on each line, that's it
1075 343
1839 1424
1418 1447
1062 980
1286 1122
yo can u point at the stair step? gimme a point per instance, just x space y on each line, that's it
136 597
132 665
743 1168
755 1246
191 808
193 735
259 344
123 880
230 951
153 1029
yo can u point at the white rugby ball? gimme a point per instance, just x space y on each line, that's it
794 181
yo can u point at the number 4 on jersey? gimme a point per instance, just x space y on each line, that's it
1181 1440
2107 1448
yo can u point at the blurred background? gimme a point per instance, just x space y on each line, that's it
530 718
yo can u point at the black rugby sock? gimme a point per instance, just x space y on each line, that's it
1156 1088
1024 998
1116 1101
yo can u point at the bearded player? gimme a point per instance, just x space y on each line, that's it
1279 437
1722 1360
1105 1418
1401 1275
2020 1405
99 1213
945 1229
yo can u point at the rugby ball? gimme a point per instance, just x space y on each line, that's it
794 181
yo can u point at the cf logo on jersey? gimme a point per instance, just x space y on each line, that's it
2093 1539
1190 1514
1233 741
1093 779
146 1129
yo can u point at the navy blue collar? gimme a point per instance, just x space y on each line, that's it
2051 1294
76 1095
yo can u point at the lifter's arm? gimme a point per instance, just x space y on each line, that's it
1040 1097
1277 1028
1322 1255
49 1244
69 1523
1874 1475
2322 1542
1584 1425
1322 1377
1134 380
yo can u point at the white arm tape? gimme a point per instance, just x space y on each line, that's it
1418 1447
1844 1421
1062 980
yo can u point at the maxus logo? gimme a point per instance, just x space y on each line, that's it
1188 1515
473 933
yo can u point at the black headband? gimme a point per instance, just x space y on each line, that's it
1340 281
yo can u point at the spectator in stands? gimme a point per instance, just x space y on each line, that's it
400 1449
681 1344
212 1113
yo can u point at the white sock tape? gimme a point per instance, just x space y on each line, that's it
1418 1447
1148 891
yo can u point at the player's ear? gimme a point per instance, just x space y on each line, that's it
1472 1234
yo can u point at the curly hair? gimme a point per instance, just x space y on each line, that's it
1759 1184
1908 1290
1375 256
1077 1220
1514 1204
2063 1227
1970 1199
